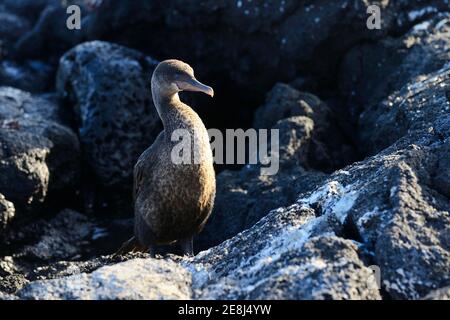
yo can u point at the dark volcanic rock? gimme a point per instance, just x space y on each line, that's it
282 257
32 75
38 154
243 197
385 203
30 246
15 103
248 46
416 106
7 212
329 149
50 34
287 251
138 279
109 86
299 234
62 238
25 175
373 71
440 294
391 203
11 28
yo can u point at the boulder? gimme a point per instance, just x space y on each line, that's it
138 279
7 212
382 212
11 27
389 203
417 105
372 72
38 153
245 196
329 148
62 238
49 34
439 294
109 88
32 75
25 175
289 254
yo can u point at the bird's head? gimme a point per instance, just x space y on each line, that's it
173 76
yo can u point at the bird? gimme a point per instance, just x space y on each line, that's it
173 200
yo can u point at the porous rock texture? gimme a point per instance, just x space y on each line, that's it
363 118
38 153
109 86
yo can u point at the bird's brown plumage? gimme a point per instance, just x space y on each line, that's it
173 201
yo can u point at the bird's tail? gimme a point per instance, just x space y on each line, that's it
131 245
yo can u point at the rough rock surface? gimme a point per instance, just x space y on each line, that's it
11 27
242 267
417 105
383 211
38 153
109 86
269 30
49 32
440 294
326 151
32 75
150 279
243 197
300 234
7 212
371 72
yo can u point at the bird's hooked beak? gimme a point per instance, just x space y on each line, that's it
194 85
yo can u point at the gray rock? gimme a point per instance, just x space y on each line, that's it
38 153
109 88
282 257
386 208
11 28
273 50
7 212
32 75
62 238
15 103
417 105
243 197
138 279
439 294
53 248
371 72
389 203
50 33
288 250
25 174
328 147
5 296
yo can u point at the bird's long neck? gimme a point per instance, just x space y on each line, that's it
177 115
174 113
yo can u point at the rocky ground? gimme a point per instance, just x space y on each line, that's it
364 120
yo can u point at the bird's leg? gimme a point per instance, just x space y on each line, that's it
187 246
132 245
151 251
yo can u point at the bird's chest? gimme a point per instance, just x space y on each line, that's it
190 176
